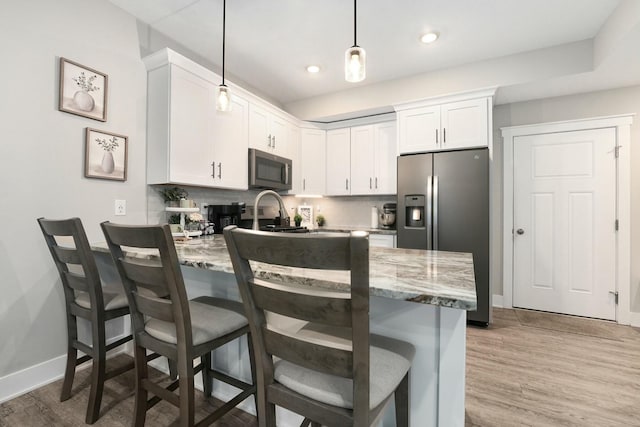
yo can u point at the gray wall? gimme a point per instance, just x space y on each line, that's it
42 159
594 104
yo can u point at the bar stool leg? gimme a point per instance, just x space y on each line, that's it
401 398
72 358
98 369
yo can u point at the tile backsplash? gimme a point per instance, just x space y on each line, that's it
347 211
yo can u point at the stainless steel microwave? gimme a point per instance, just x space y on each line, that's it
267 170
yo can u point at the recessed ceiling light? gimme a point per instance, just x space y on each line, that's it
313 69
429 38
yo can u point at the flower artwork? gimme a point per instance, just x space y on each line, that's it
83 91
105 155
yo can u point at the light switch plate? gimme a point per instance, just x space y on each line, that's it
121 207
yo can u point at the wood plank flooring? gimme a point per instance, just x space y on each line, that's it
522 375
519 373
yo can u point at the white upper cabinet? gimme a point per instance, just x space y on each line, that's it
312 162
419 129
338 162
373 159
268 131
427 126
188 141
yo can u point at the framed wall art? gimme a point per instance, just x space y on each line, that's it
306 212
105 155
83 91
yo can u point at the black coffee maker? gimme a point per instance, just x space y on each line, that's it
223 215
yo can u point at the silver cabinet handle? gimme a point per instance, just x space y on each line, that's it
370 184
444 135
436 136
520 231
376 182
269 137
213 170
219 170
304 184
346 184
273 142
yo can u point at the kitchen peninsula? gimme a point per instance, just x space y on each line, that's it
416 295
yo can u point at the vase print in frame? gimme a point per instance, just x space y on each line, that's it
105 155
83 91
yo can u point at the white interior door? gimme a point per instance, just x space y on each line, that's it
564 222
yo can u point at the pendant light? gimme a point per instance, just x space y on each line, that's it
223 99
355 57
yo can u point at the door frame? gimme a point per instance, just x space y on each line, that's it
622 124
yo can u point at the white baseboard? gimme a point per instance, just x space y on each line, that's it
31 378
36 376
497 301
634 319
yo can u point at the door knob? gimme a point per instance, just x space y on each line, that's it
520 231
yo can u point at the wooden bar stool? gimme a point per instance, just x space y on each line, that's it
85 297
177 328
332 371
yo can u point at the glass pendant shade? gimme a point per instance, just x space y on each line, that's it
354 64
223 98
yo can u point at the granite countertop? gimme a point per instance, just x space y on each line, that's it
348 228
430 277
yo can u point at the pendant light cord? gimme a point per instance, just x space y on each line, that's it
224 23
355 22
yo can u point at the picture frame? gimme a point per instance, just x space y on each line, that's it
83 90
106 155
306 212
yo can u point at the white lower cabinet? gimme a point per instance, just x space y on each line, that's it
188 141
382 240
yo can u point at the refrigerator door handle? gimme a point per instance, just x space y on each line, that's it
428 209
435 213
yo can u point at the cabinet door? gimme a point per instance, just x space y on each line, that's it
230 146
259 137
419 130
312 155
465 124
362 160
278 133
293 140
382 240
190 151
386 164
338 162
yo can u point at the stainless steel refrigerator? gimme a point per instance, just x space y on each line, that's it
443 204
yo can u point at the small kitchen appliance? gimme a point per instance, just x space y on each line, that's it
387 216
222 215
269 171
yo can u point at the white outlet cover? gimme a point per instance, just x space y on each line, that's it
120 207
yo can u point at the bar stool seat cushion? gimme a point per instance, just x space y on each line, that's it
112 294
390 360
207 323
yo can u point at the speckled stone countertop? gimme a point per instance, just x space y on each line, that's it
346 229
430 277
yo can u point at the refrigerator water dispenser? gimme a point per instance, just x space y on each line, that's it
414 206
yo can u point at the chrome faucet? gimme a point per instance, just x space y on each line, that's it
283 211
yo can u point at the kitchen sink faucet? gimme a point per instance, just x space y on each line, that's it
283 211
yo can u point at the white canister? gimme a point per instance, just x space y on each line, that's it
374 217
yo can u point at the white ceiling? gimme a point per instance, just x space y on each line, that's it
269 43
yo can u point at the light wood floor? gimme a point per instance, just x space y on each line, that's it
519 373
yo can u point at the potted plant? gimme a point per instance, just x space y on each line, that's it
297 218
172 195
320 220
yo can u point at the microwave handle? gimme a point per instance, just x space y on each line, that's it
285 171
